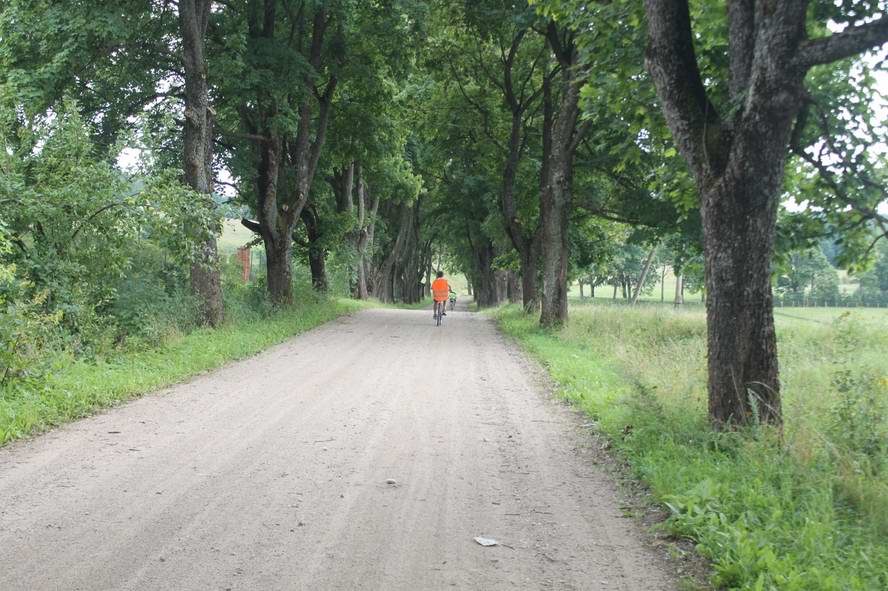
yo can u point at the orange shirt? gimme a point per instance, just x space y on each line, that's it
440 289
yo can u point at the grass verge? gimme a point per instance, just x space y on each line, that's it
807 511
78 388
425 303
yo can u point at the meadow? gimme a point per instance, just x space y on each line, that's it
663 290
801 509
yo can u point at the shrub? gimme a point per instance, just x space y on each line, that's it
24 326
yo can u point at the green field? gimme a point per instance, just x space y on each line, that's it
782 315
803 510
234 235
664 290
606 292
876 317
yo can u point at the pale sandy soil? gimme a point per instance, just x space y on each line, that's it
367 454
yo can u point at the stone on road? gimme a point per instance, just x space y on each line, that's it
366 454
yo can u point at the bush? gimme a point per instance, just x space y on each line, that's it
151 301
25 328
110 251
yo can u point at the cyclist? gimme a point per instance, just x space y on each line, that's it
440 292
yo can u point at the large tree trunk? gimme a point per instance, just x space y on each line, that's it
275 226
317 262
524 241
484 279
279 265
502 286
367 220
530 295
205 280
281 195
742 345
556 196
554 210
400 272
317 257
514 290
679 288
342 183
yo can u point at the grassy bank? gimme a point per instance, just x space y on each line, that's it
78 387
806 512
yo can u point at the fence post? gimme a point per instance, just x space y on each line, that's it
244 256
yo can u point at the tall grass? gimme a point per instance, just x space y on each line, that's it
78 386
803 511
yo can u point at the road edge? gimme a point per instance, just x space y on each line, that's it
678 556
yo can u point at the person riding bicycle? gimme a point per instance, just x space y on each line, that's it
440 291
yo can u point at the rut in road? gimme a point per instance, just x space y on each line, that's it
273 472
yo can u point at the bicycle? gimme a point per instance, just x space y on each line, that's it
439 313
452 302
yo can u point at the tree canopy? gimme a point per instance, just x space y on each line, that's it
524 145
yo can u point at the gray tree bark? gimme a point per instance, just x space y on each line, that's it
557 191
737 158
644 273
317 255
400 273
206 283
679 288
525 240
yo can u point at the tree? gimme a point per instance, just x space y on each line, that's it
825 288
803 270
205 280
284 65
82 228
365 227
365 160
53 51
285 83
735 142
502 54
109 55
874 282
562 137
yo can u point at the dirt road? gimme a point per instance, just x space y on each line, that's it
367 454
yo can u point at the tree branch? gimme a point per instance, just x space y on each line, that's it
672 63
741 39
485 114
850 42
255 227
326 104
91 217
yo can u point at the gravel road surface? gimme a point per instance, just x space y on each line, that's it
366 454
